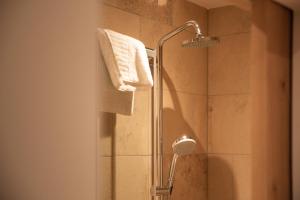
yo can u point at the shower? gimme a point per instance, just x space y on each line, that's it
183 145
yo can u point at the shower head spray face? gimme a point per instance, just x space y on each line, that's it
184 145
200 41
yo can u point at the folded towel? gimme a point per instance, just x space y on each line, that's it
128 66
113 100
126 59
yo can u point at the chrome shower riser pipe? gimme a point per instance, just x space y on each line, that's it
158 94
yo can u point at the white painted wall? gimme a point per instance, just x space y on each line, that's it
296 108
47 100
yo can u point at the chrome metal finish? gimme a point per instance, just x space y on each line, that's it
157 103
200 41
160 191
151 53
158 91
172 171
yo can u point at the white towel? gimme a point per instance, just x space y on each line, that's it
113 100
126 60
128 66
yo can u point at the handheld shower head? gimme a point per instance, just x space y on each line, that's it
181 146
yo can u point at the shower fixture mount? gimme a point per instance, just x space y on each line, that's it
184 145
157 107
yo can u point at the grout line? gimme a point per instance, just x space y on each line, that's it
207 108
110 156
230 94
120 9
184 92
230 154
227 154
233 34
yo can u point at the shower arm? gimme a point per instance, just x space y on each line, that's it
158 101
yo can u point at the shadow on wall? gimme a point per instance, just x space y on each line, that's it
221 181
198 176
174 123
108 121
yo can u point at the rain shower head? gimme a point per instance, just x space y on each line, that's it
183 145
200 41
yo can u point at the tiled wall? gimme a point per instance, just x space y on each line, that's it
206 95
271 100
126 141
229 141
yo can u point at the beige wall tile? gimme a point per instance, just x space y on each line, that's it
228 65
106 178
120 21
149 9
130 6
156 11
228 124
185 69
127 135
184 114
151 31
132 177
220 178
183 11
106 129
242 177
229 177
133 133
190 177
125 177
228 20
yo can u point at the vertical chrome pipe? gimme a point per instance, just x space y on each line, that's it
172 171
158 94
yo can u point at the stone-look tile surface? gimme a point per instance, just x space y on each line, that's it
106 178
190 177
106 130
119 20
184 114
228 124
151 31
127 135
183 11
229 177
228 20
228 65
242 177
220 178
132 177
185 69
151 9
133 133
125 177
